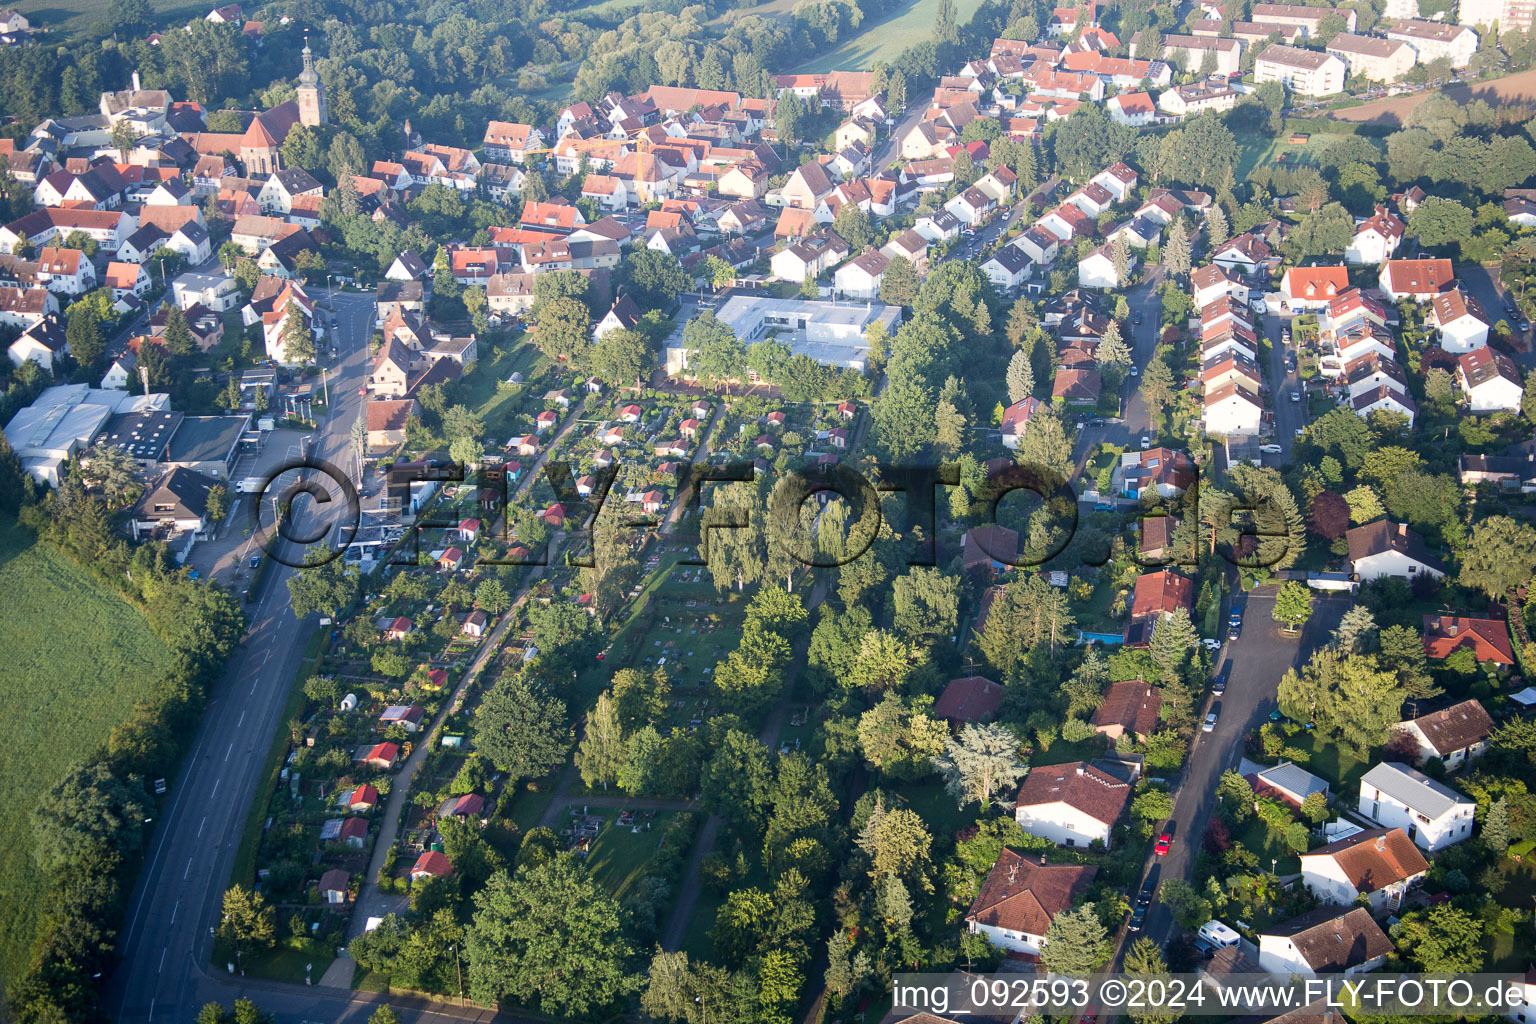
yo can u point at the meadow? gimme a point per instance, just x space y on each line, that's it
887 38
78 14
78 658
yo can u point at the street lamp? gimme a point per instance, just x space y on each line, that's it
458 970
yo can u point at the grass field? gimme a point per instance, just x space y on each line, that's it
77 658
77 14
885 40
620 857
1254 150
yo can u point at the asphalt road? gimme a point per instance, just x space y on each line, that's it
1259 658
1484 285
168 933
889 151
1142 338
1289 415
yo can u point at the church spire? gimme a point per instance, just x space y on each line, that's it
308 75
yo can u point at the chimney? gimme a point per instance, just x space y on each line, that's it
1381 843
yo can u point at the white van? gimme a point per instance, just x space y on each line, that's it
1214 935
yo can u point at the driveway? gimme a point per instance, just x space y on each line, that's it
1259 658
1142 339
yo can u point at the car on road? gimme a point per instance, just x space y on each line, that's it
363 391
1135 318
254 562
1135 370
1235 625
1210 720
1103 506
1138 918
1148 889
1525 325
1295 396
1211 644
1271 449
1146 441
1301 431
1219 684
1163 845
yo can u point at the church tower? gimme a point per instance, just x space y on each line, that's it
311 92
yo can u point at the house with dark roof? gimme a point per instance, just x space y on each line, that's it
1325 941
1128 706
1071 804
992 548
1455 734
1379 863
1385 548
176 503
1020 897
968 699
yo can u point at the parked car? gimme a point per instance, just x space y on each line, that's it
1163 845
1138 918
1219 684
1146 441
1210 719
1295 396
1271 449
1148 889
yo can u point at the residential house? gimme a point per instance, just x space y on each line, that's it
386 420
1130 706
1232 410
1097 269
1418 280
1198 53
1371 57
1021 896
1461 321
1487 639
1436 40
40 343
1324 941
1196 98
1490 380
1385 548
334 886
431 864
860 277
1071 804
968 699
1287 783
991 548
1313 287
1431 814
1376 238
176 503
1157 595
1016 420
1008 268
1455 735
1133 109
1380 864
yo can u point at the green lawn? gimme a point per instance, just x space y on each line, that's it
1255 150
480 391
77 14
77 658
885 40
620 857
1329 761
286 961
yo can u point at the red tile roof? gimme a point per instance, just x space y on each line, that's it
1161 592
969 699
1487 638
1022 894
1079 785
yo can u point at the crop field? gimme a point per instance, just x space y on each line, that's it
77 658
885 40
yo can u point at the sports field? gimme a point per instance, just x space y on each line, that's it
76 659
886 39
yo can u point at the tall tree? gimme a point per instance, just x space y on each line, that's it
296 339
523 732
1075 943
1293 604
1176 249
1500 557
983 761
602 750
550 937
1020 377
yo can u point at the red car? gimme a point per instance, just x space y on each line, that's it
363 391
1164 841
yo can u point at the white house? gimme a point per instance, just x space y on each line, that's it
1419 280
1455 735
1324 941
1385 548
1490 381
1071 804
1306 72
1231 409
1433 40
1379 863
1461 321
1376 238
1132 109
1008 268
1040 245
1119 178
1020 897
1211 282
1016 420
1434 816
42 342
859 278
1097 269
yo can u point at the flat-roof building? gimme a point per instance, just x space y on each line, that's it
831 333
